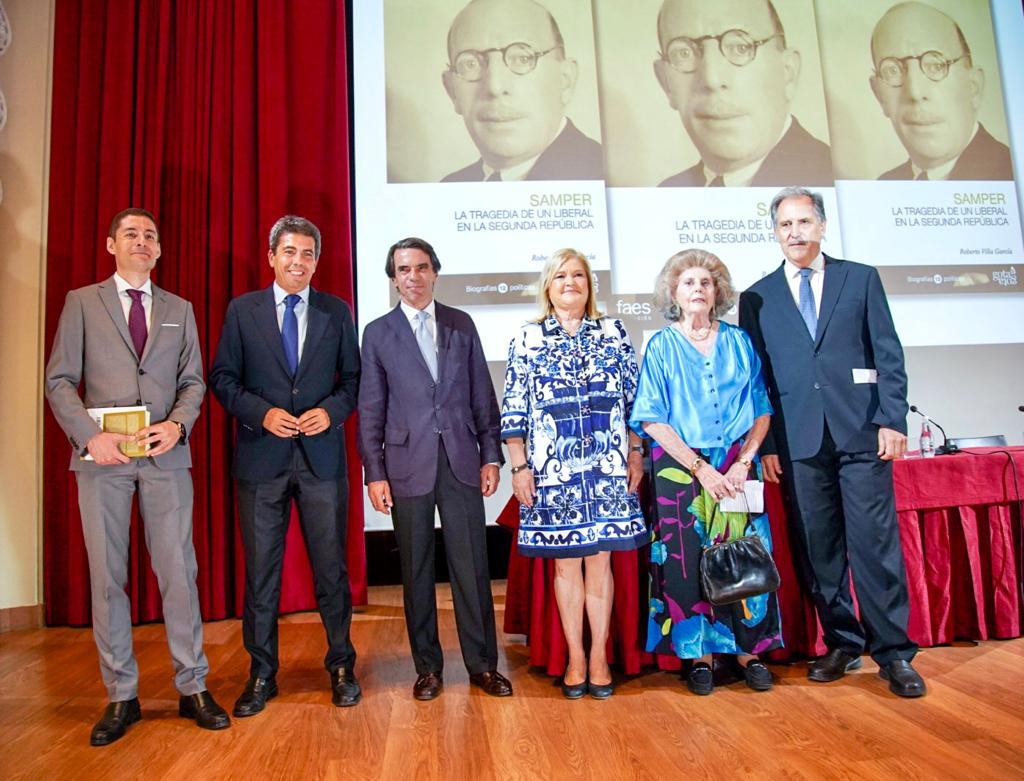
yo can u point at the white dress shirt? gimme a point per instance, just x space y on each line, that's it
301 311
126 300
414 322
817 280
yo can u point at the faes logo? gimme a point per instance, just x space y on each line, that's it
633 308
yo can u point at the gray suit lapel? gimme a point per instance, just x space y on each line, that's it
444 337
399 324
157 315
108 296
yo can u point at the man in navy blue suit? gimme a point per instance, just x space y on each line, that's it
834 367
429 435
287 368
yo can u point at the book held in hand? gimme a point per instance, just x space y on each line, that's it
121 420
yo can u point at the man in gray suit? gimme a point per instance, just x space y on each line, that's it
429 436
132 344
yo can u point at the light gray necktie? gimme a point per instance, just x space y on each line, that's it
426 342
808 310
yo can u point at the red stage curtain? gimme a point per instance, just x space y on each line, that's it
219 118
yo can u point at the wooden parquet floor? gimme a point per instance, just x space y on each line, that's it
970 726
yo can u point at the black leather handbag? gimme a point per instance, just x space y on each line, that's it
735 570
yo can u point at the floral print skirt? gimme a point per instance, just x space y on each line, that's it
680 621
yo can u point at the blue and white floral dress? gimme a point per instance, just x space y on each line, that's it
569 398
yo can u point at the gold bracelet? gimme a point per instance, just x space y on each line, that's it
747 462
698 462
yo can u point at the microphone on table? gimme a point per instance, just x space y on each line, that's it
946 448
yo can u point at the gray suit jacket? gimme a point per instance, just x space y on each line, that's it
92 347
403 412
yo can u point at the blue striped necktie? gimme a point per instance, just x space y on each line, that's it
807 309
290 332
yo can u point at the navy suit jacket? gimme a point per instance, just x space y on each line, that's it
402 411
984 159
810 381
798 158
250 376
571 155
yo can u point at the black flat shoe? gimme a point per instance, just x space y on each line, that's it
700 680
833 666
345 691
757 676
904 680
204 710
574 691
116 718
601 691
254 697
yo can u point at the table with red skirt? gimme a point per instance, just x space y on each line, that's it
960 529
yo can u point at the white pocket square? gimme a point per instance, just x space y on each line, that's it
170 325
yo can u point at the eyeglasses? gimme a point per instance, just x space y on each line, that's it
737 46
520 58
934 65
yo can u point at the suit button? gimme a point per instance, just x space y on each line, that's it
295 391
141 372
437 431
817 386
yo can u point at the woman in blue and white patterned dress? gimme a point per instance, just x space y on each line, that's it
569 389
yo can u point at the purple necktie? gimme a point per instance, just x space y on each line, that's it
137 322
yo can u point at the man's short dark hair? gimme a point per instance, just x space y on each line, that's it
292 223
411 243
559 41
777 27
798 192
132 211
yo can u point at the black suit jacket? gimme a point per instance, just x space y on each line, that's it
810 381
571 155
798 159
402 411
984 159
250 376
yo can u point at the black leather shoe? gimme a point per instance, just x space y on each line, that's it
757 676
345 691
116 718
492 682
601 691
700 680
204 709
904 680
427 686
573 691
833 666
254 697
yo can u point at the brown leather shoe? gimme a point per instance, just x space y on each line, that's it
492 682
427 686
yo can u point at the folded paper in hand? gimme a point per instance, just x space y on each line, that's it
750 501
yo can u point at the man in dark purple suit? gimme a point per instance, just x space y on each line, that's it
429 436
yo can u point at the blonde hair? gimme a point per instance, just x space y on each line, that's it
668 280
547 274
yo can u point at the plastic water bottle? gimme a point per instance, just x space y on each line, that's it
927 443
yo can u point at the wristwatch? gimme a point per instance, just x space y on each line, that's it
747 462
520 468
181 431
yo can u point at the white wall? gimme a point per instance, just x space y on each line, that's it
25 78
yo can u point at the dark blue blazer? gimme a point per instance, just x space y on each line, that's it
402 411
250 376
810 381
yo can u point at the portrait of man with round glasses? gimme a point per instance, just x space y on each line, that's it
511 79
929 87
725 67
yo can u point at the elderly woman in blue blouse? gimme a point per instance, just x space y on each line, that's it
575 464
702 398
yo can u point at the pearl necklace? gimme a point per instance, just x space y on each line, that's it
697 335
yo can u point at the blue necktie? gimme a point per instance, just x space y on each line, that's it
290 332
807 302
426 343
